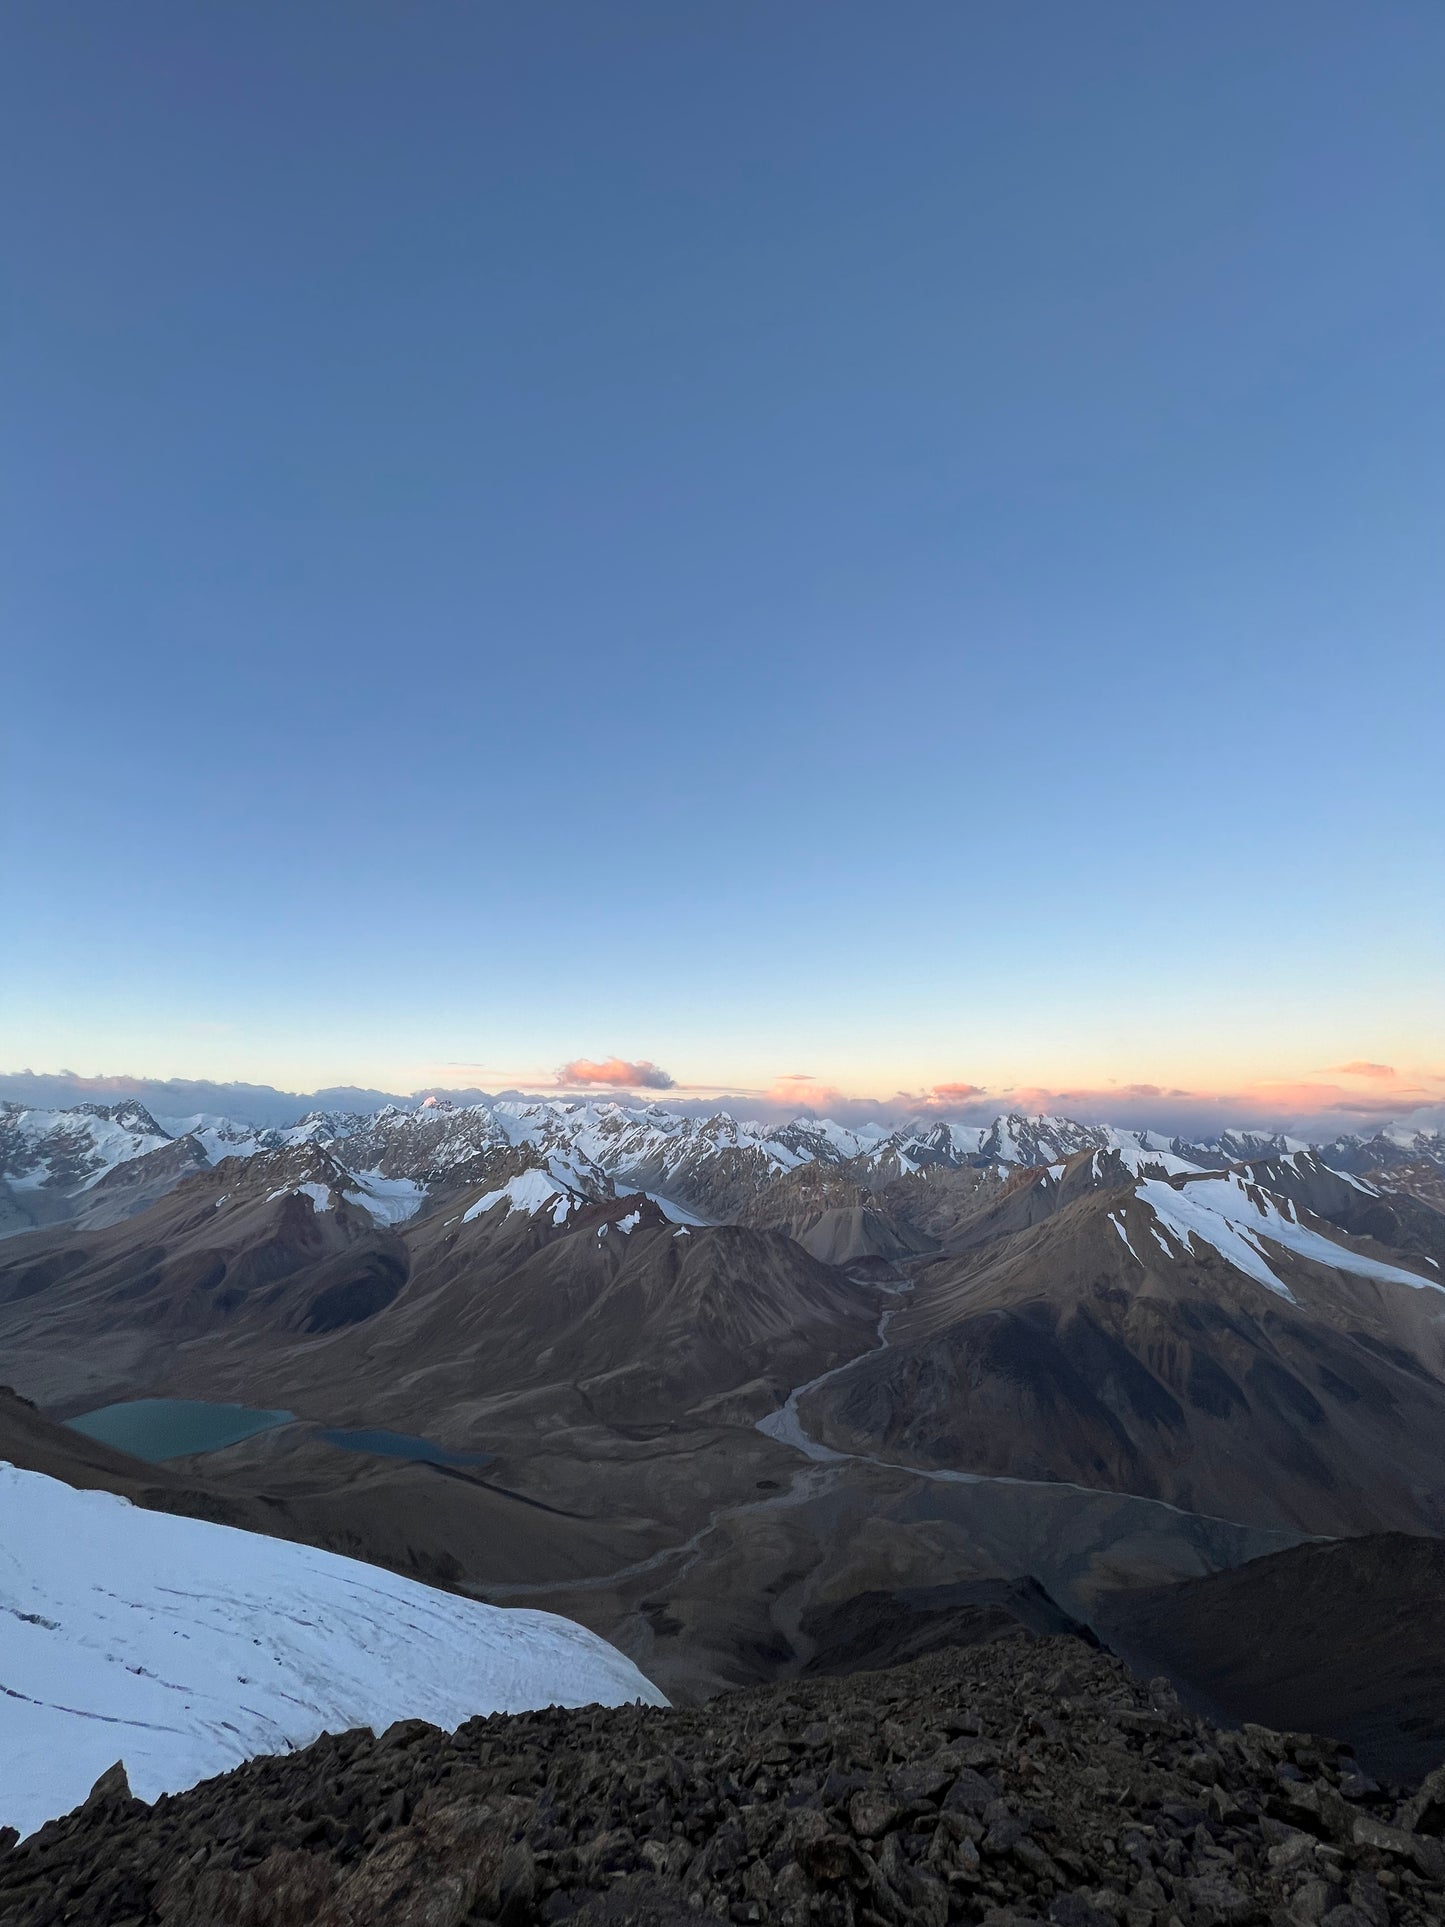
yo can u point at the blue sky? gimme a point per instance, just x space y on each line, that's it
901 546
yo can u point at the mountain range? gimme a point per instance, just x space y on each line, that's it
96 1164
714 1388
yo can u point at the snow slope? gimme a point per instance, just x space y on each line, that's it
183 1648
1234 1217
532 1191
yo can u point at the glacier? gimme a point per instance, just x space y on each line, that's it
184 1648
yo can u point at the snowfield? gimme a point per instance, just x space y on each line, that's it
1234 1216
184 1648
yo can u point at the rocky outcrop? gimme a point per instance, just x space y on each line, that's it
1021 1781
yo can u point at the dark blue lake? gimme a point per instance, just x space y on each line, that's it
402 1445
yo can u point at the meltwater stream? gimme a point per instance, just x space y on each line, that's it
786 1427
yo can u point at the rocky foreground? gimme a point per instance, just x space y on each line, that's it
1024 1780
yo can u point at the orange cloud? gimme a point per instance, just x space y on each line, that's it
1300 1105
793 1087
1359 1068
1305 1094
1301 1099
955 1093
616 1073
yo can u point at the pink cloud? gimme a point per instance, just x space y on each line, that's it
1305 1094
615 1073
806 1093
956 1093
1304 1107
1359 1068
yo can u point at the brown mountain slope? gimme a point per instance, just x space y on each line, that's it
1087 1348
635 1327
434 1523
861 1212
261 1276
613 1361
39 1444
1346 1638
251 1249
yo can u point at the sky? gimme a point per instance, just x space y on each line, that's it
835 554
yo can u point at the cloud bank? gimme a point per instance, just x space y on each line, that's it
1320 1108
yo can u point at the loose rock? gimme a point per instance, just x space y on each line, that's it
1025 1781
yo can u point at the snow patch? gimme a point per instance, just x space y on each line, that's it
319 1194
531 1191
389 1200
1119 1227
675 1213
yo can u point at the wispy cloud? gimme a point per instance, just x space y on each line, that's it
614 1073
1359 1068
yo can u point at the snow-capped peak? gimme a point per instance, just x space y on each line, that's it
531 1191
65 1152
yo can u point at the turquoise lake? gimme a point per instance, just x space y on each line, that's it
154 1429
171 1428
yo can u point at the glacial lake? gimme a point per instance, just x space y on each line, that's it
402 1445
171 1428
154 1429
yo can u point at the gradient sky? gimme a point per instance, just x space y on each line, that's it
902 546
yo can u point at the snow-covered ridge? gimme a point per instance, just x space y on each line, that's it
1239 1220
184 1648
70 1151
697 1169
